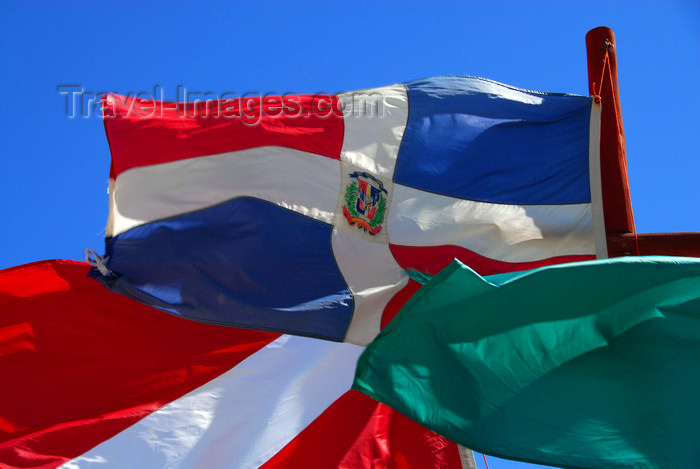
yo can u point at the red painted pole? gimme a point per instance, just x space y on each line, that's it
602 81
655 244
622 240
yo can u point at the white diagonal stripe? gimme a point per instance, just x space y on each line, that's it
240 419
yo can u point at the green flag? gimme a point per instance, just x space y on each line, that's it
585 365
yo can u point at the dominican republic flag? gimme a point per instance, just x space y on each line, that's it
294 214
302 214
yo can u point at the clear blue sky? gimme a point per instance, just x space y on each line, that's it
54 169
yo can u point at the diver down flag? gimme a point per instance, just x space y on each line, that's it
302 214
585 365
93 379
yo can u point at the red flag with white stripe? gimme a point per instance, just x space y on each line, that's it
95 379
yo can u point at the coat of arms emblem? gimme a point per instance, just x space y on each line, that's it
365 202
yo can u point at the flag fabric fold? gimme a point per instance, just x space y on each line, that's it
583 365
300 214
93 379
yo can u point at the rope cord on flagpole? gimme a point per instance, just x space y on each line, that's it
487 464
597 98
606 64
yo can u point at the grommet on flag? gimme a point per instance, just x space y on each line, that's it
96 261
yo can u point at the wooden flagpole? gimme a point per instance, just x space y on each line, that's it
622 239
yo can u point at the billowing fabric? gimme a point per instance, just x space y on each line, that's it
583 365
301 214
93 379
